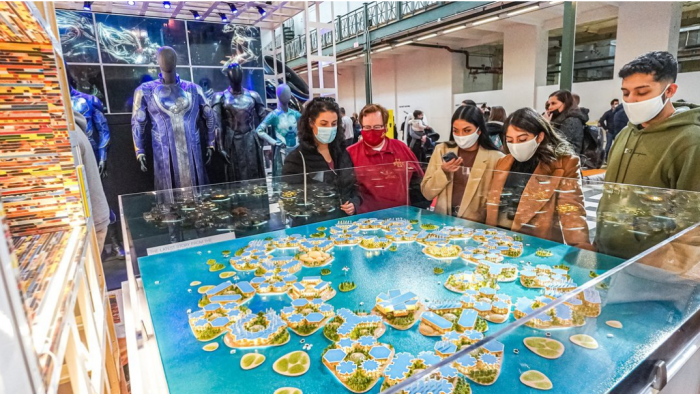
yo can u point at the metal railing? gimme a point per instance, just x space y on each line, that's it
352 24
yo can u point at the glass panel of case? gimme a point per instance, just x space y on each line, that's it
213 44
77 32
429 294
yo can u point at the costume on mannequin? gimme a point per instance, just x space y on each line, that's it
96 129
173 106
237 112
283 121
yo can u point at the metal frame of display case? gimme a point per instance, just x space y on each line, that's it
667 366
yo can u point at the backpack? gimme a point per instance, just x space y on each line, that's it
593 148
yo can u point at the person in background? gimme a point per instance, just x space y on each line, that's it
417 138
357 129
551 210
98 201
384 166
606 122
322 153
585 111
461 183
567 119
486 110
495 125
659 148
348 127
469 102
620 121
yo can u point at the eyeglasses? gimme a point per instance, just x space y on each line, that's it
368 128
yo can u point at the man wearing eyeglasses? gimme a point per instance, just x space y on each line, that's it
388 173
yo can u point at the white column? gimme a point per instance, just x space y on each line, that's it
524 64
644 27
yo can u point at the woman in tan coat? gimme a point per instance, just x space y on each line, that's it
461 184
536 189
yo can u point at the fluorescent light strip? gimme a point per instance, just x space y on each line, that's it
426 37
556 2
403 43
302 72
524 10
454 29
351 58
487 20
384 49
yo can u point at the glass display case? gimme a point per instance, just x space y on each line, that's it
269 284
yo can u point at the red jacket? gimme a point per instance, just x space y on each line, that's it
383 176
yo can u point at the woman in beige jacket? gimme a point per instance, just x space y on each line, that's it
461 184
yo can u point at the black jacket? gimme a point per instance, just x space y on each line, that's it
570 126
620 120
494 128
342 177
606 121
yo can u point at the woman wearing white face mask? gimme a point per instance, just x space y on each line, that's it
455 172
321 153
536 187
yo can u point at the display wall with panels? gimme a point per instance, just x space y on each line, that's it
110 55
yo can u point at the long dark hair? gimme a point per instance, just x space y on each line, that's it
552 147
567 99
498 114
309 115
472 115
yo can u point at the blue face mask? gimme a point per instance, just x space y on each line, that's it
326 135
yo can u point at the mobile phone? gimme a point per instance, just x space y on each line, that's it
449 156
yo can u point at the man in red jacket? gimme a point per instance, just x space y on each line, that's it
388 173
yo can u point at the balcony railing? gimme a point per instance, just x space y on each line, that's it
352 24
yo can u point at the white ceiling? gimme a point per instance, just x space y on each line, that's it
277 11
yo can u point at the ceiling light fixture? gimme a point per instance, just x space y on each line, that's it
233 8
87 6
426 37
166 5
403 43
131 2
556 2
223 17
302 72
454 29
524 10
384 49
262 11
196 15
351 58
487 20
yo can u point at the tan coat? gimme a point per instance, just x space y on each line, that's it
437 183
551 206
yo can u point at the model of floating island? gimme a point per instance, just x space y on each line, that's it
195 283
292 364
541 252
462 282
536 380
544 347
501 272
447 316
305 317
261 330
349 324
443 251
252 360
319 234
393 248
614 324
456 232
311 287
345 239
398 309
317 244
544 276
438 271
369 224
249 260
445 379
489 305
287 390
210 347
315 258
396 224
226 275
321 228
287 242
273 282
482 366
561 316
283 263
358 364
325 271
214 319
401 237
426 238
345 227
347 286
227 292
585 341
374 243
429 226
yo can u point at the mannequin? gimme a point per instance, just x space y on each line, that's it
237 112
96 129
283 121
173 107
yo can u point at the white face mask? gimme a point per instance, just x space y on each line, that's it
467 141
644 111
524 150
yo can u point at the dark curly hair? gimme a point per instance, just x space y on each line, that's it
661 64
552 147
473 115
309 114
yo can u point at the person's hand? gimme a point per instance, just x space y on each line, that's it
548 116
280 144
452 165
102 167
348 208
225 156
423 139
210 153
142 161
